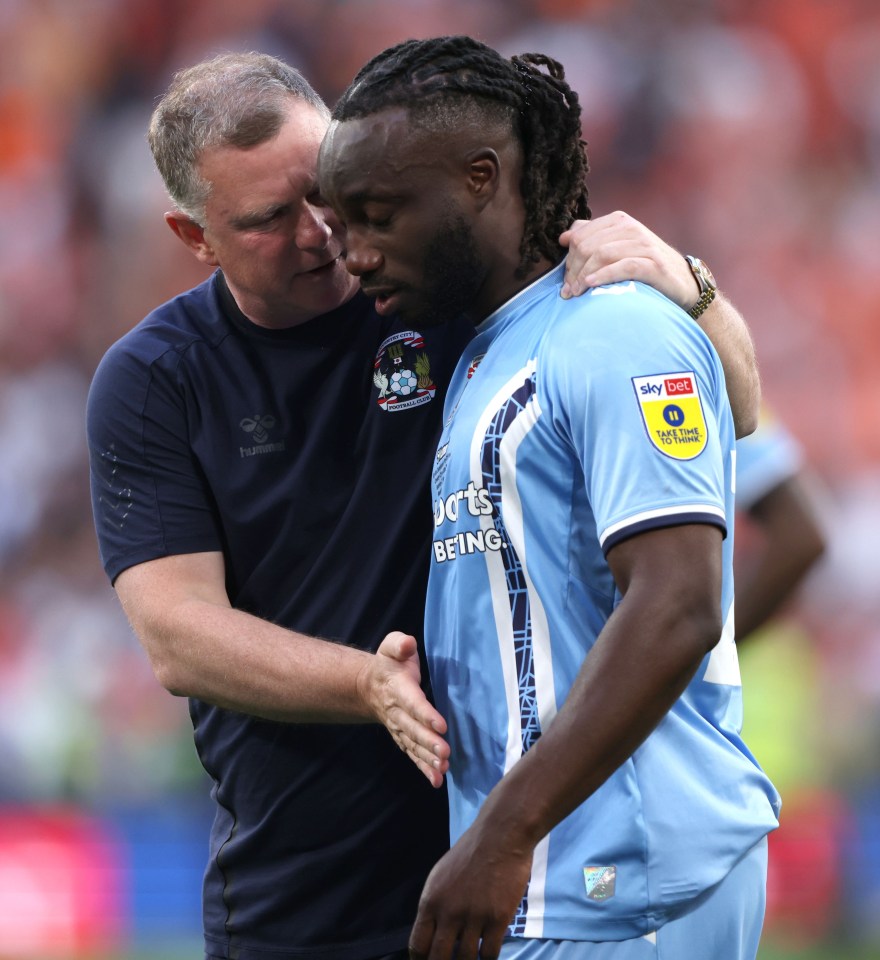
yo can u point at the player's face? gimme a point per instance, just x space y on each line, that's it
277 242
409 232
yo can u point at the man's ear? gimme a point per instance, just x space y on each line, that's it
193 235
484 175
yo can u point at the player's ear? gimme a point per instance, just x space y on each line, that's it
484 174
193 236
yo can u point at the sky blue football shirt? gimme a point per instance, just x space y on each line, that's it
570 425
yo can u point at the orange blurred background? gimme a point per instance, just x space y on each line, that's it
744 131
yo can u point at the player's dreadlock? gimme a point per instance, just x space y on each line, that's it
440 79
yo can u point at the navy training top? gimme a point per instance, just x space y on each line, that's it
303 455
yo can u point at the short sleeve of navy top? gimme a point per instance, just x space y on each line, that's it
303 455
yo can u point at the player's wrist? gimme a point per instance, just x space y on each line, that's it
512 817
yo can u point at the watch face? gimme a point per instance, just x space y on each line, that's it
703 274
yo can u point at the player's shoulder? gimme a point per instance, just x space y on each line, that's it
632 301
616 317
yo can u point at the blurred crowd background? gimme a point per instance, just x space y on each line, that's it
744 131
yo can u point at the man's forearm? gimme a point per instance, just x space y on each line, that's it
730 335
237 661
200 646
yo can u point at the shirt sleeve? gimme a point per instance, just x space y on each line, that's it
149 496
764 460
641 394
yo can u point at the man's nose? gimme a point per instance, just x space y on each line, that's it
313 231
360 257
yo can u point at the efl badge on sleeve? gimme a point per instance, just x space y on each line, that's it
673 413
600 882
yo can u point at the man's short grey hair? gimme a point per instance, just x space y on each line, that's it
234 99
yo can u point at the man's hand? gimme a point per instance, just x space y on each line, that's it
471 896
617 247
390 687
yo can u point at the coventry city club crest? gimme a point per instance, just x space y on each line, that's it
402 372
672 413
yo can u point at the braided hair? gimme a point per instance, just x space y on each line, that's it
447 81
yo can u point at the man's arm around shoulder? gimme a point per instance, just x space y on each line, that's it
618 247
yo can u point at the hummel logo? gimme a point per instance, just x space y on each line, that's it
260 425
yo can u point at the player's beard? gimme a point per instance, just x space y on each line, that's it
453 272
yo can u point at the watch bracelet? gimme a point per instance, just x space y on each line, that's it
700 306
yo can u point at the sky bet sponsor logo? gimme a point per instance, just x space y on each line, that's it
673 386
472 501
672 413
679 385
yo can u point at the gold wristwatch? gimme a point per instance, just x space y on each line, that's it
706 282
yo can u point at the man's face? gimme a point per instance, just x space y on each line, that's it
409 230
279 245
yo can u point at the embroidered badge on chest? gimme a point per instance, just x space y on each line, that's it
402 372
672 412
